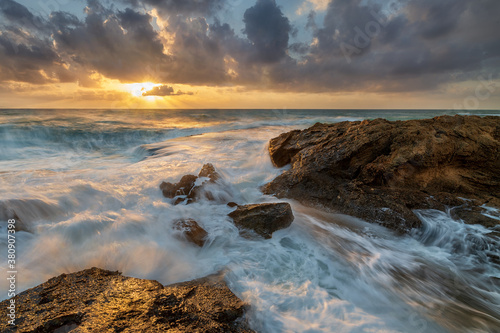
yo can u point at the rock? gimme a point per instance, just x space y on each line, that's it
380 170
183 187
96 300
264 219
208 171
471 214
192 231
232 204
191 188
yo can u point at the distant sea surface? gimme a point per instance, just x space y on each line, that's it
86 185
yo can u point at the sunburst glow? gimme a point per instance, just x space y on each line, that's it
138 89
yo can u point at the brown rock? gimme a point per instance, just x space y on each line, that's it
264 219
208 171
232 204
471 214
381 170
183 187
185 191
192 231
96 300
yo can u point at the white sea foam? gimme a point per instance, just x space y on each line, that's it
326 273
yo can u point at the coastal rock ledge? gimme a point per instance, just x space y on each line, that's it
96 300
381 170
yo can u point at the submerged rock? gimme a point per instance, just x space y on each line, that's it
264 219
96 300
192 231
27 211
191 188
381 170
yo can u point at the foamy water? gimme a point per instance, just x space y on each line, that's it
86 184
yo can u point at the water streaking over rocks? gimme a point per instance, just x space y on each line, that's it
101 206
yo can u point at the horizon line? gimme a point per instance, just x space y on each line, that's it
252 109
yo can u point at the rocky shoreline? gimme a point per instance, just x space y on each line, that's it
96 300
378 170
381 171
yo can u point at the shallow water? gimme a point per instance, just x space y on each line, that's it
86 184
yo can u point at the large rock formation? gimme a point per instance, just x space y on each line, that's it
381 170
96 300
263 219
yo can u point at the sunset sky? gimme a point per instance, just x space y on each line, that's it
250 54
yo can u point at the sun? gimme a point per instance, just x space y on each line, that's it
138 89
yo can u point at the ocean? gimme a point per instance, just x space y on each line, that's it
86 185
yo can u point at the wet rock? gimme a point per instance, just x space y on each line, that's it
208 171
232 204
96 300
471 214
192 231
192 188
380 170
264 219
183 187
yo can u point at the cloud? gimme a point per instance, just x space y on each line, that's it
184 7
316 5
355 45
197 55
434 19
268 30
121 45
20 15
416 46
164 90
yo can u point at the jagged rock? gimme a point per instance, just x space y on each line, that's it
183 187
381 170
96 300
191 188
208 171
192 231
264 219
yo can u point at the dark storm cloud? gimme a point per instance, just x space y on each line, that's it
159 91
436 18
121 45
27 53
418 45
164 91
343 21
197 57
358 45
19 14
28 59
268 30
64 21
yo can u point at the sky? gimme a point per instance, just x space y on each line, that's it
295 54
